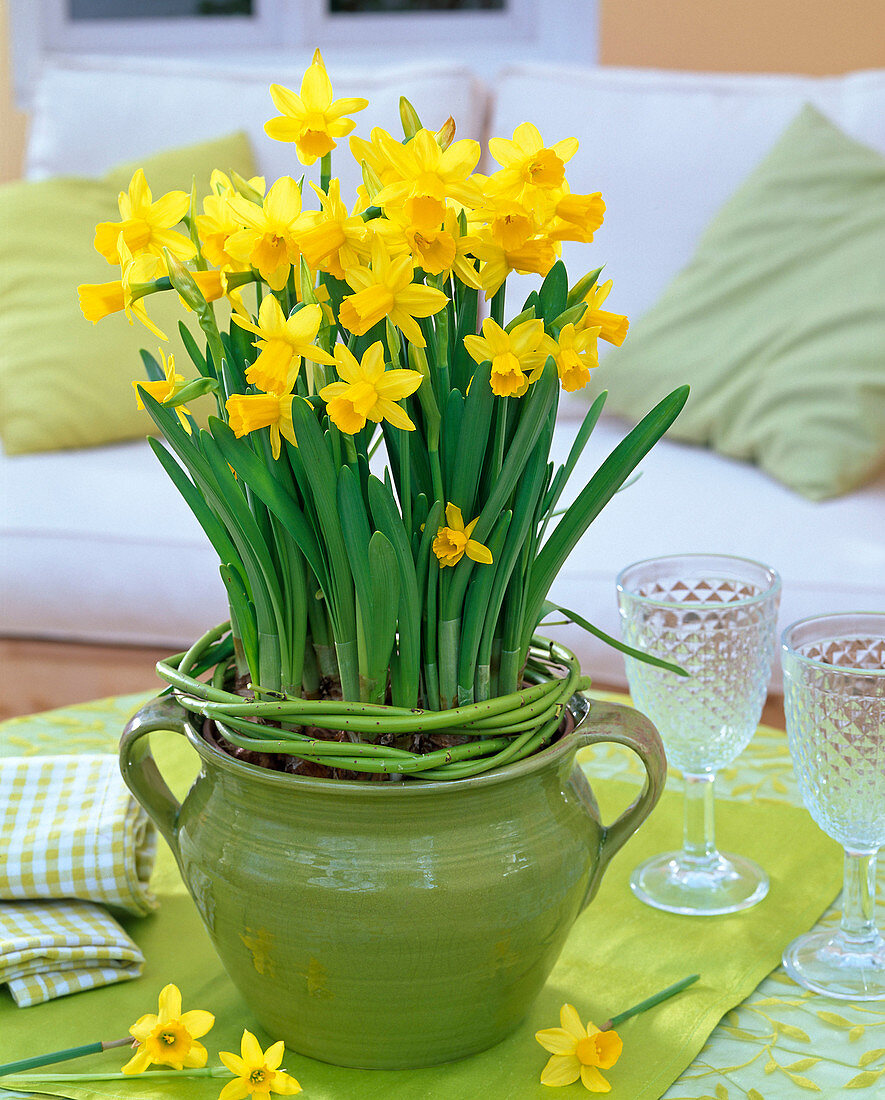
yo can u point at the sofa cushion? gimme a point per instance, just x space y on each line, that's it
778 321
830 555
666 149
97 545
63 381
85 106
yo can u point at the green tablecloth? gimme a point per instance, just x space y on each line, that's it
777 1039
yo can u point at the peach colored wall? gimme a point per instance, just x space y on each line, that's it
799 36
12 122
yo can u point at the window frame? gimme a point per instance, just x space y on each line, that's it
43 28
515 24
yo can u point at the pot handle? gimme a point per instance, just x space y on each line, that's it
139 769
613 722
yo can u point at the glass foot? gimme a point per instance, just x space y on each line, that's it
721 884
828 962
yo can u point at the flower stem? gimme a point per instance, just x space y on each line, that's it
209 1071
650 1002
62 1055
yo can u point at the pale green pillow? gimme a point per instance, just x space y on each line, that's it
778 321
63 381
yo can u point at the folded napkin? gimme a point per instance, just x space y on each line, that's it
48 949
69 828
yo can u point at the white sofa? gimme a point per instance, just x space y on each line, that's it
96 545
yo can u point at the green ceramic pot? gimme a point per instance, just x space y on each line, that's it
399 924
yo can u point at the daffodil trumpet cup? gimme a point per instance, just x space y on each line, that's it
393 924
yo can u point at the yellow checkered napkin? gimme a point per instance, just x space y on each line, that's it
48 949
69 828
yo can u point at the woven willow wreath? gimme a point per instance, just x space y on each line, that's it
505 729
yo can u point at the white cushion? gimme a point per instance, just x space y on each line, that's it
666 149
830 555
97 545
91 113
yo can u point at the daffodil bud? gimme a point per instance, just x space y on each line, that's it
583 287
526 315
190 220
372 181
418 360
183 281
245 189
191 391
445 135
308 294
394 344
570 316
409 118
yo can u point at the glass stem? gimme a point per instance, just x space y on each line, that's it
859 898
699 839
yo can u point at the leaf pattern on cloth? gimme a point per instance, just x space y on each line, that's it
783 1041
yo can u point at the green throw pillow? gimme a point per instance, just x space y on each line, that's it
63 381
778 321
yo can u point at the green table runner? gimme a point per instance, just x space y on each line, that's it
619 951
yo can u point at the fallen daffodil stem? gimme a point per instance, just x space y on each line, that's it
62 1055
209 1071
650 1002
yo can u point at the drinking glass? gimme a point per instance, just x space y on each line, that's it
715 616
834 697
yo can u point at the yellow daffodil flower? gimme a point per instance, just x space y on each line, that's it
368 391
612 326
161 391
335 239
270 240
257 1072
453 541
578 1052
442 251
508 223
311 120
283 343
248 412
136 270
146 225
98 300
527 163
511 354
211 284
169 1038
219 221
428 175
575 355
387 290
537 255
372 153
215 225
576 217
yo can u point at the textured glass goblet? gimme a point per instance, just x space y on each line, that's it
714 615
834 698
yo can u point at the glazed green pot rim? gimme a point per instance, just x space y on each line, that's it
579 706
